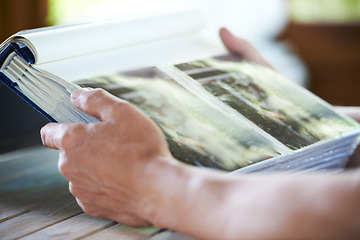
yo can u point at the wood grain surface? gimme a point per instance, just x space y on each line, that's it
35 203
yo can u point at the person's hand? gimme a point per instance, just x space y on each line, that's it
241 47
110 163
121 168
350 111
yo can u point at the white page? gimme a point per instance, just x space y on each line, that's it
172 50
67 42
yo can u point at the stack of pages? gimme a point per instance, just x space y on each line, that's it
216 109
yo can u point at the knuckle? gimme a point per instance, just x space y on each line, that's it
96 95
64 166
122 109
71 139
64 169
91 210
71 136
115 101
76 192
98 92
79 195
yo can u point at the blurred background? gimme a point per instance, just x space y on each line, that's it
315 43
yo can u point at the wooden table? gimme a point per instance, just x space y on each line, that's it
35 203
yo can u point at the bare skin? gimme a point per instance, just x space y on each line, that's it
121 169
241 47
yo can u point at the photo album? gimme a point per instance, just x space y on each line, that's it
216 109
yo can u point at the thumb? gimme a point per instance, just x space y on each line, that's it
96 102
241 47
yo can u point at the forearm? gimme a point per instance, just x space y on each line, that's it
194 201
213 206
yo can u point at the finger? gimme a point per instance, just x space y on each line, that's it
241 47
52 134
79 203
96 102
353 112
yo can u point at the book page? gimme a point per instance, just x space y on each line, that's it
216 112
286 111
49 93
164 51
57 43
197 132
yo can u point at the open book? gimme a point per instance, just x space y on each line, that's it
216 109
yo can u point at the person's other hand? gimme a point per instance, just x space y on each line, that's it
241 47
109 164
353 112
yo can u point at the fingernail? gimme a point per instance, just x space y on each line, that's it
75 95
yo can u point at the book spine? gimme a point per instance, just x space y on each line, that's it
13 87
22 50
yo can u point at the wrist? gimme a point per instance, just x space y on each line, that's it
164 180
176 187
